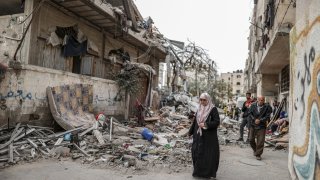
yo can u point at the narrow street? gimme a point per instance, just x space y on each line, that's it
161 89
236 163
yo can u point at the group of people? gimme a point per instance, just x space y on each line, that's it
232 111
205 147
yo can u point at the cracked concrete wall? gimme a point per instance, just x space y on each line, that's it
24 96
10 33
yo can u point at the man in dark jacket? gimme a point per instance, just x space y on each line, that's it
245 109
259 114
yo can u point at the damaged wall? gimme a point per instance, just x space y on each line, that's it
24 94
23 91
10 33
304 161
49 17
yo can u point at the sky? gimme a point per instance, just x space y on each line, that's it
219 26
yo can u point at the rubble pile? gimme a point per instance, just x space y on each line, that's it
278 140
229 133
108 143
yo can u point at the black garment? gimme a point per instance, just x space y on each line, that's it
263 115
205 148
67 31
74 48
265 40
274 128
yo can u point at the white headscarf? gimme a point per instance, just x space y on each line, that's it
204 111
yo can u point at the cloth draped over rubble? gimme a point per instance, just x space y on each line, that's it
71 105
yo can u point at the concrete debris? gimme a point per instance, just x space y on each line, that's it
163 141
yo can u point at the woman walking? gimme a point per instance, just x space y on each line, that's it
205 147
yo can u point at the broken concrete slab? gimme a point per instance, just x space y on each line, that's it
161 141
60 151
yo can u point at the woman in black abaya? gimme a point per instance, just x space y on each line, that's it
205 147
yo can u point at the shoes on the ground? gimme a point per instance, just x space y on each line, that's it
258 158
240 139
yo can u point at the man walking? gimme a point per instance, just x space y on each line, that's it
245 109
259 114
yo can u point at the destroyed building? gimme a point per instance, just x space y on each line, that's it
52 43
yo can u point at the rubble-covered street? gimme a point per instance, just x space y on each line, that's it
236 163
127 151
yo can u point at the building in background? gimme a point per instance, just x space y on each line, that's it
232 85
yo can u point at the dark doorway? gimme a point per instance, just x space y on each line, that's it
76 65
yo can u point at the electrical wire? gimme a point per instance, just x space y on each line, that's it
285 14
33 11
27 28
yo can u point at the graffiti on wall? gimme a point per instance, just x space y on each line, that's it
108 100
304 160
19 94
304 79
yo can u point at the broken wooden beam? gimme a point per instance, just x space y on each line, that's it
13 136
24 134
81 150
111 128
66 132
58 142
32 143
15 151
99 136
15 130
152 118
10 153
44 145
5 137
4 159
269 143
87 131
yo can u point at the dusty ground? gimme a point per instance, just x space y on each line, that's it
235 163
